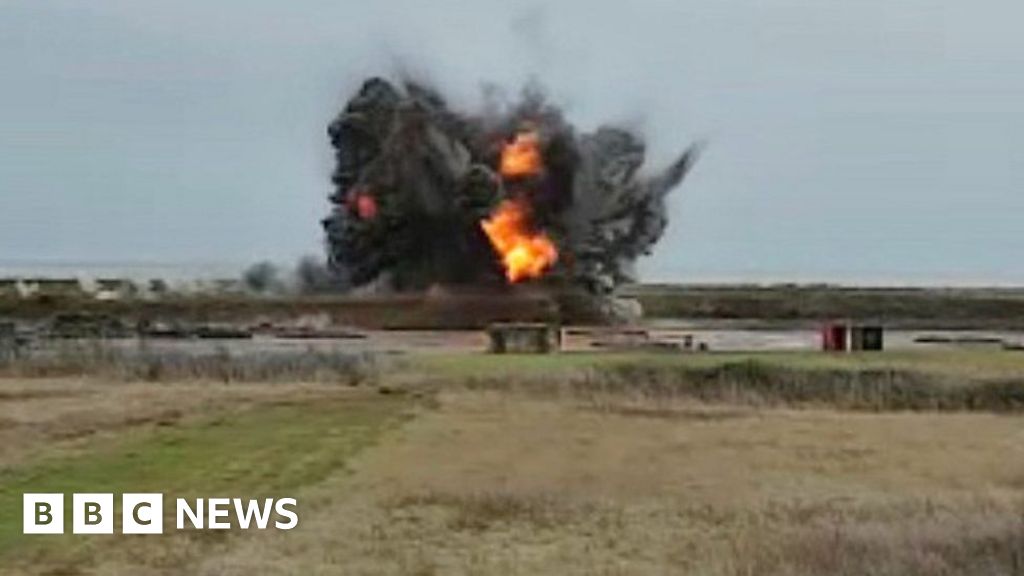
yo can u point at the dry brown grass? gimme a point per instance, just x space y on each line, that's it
494 483
98 359
756 382
531 476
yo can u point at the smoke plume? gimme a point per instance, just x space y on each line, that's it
425 195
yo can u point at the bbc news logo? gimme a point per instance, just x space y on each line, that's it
144 513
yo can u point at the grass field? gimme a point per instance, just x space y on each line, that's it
572 464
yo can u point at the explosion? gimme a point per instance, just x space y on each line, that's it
522 157
524 254
426 195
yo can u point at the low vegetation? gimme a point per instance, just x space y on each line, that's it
990 381
494 482
102 360
917 307
984 308
401 311
251 442
765 464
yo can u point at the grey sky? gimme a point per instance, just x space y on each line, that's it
877 140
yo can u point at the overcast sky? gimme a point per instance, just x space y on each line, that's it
871 140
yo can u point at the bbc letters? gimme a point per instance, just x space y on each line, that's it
144 513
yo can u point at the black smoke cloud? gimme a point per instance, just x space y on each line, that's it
414 179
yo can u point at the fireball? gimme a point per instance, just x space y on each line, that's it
524 253
522 158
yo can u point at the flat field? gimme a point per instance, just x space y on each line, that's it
568 464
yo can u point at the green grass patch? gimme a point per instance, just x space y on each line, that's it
270 451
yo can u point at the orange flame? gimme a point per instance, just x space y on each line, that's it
521 158
524 253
